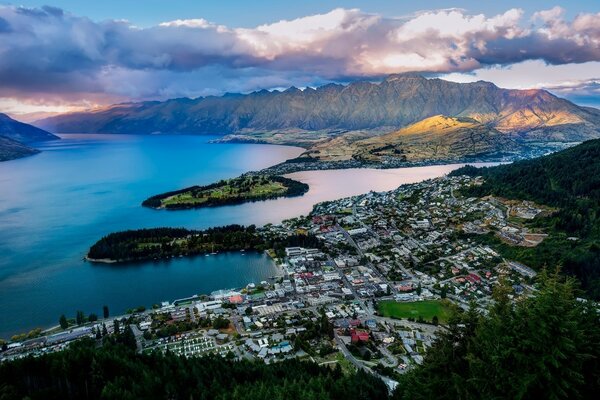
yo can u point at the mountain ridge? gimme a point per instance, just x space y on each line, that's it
395 102
22 132
16 136
342 117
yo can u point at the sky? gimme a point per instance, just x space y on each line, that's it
67 55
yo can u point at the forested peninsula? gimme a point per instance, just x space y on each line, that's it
246 188
161 243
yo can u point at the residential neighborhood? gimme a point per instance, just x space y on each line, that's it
373 294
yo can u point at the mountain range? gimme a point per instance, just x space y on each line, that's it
15 138
357 111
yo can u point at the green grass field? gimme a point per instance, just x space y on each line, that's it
415 309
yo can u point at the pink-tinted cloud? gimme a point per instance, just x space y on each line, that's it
48 53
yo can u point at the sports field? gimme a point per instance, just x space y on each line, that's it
415 309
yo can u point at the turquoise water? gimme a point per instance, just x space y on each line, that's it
54 205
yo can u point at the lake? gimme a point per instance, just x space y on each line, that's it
54 205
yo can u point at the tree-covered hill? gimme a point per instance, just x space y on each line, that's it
568 180
154 243
115 371
542 347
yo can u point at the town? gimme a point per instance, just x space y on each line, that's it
373 294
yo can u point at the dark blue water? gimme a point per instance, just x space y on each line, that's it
54 205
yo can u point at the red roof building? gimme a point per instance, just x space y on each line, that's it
359 336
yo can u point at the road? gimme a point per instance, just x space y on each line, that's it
390 383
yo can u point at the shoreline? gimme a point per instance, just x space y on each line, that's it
317 166
48 330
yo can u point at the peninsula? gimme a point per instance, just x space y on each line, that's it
246 188
161 243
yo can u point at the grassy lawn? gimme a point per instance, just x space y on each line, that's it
415 309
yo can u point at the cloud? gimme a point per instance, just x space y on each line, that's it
49 53
577 82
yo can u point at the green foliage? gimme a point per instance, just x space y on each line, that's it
64 324
115 371
80 317
543 347
221 323
569 180
239 190
143 244
279 244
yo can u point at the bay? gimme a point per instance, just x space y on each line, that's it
54 205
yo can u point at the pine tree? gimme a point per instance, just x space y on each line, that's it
64 324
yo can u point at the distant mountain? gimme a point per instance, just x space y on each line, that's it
434 138
22 132
15 135
396 102
333 120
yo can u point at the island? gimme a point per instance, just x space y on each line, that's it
245 188
161 243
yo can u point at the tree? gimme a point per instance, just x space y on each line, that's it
435 320
105 311
117 329
419 289
248 311
547 346
64 324
104 330
80 317
221 323
92 317
444 292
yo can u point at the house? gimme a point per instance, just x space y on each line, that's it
222 337
358 335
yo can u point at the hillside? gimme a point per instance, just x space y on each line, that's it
11 149
332 110
15 135
569 180
435 138
115 370
22 132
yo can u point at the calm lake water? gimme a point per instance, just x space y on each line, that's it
54 205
